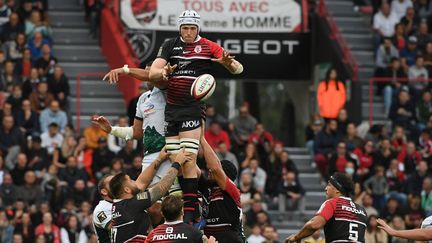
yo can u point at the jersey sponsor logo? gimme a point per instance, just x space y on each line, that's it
101 216
212 220
149 109
198 49
353 210
177 48
185 72
179 236
186 52
187 124
183 64
116 215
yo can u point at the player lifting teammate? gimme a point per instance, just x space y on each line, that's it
342 219
180 61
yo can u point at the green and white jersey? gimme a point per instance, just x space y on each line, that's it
151 110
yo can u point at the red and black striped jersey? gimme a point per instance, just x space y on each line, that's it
192 61
174 232
346 220
222 211
130 221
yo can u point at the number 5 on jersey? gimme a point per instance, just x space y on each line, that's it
353 231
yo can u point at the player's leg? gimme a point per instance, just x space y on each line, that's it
190 141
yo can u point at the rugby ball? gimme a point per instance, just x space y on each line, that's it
203 87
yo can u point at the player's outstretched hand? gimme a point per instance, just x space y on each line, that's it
167 70
183 157
384 226
163 154
292 238
102 123
113 76
211 240
225 60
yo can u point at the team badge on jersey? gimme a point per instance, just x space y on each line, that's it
101 216
198 49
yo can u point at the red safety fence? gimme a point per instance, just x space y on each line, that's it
388 80
347 56
79 77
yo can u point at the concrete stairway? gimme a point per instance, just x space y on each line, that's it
356 29
77 52
288 223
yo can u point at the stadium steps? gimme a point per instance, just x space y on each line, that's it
290 222
77 52
356 29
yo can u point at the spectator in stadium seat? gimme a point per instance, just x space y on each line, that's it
423 8
53 114
384 154
215 135
8 77
423 36
15 98
27 119
280 167
19 169
213 115
270 234
414 182
80 192
384 55
102 158
46 63
37 156
25 228
244 123
72 232
11 29
364 155
40 99
339 159
395 74
252 213
409 53
374 234
391 210
409 158
35 24
24 9
426 196
24 65
7 191
411 21
399 38
402 112
259 176
15 48
58 85
367 203
31 83
424 109
331 95
325 144
343 121
72 173
5 12
128 152
223 153
49 231
135 170
351 139
117 166
35 45
396 180
256 236
30 192
418 72
291 193
414 214
92 134
315 238
399 139
11 138
377 186
262 139
384 22
399 7
52 139
314 127
247 190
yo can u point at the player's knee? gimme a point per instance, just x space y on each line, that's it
191 145
173 145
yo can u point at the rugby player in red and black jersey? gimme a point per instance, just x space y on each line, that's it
222 208
130 221
342 219
174 230
180 61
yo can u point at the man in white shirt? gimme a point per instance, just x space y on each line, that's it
52 139
399 7
383 23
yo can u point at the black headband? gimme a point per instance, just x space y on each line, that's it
336 184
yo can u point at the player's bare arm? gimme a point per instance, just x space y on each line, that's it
145 178
308 229
209 240
213 164
113 76
229 62
161 188
414 234
133 132
160 70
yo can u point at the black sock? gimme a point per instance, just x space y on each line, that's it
190 199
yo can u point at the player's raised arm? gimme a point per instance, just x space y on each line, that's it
145 178
414 234
127 133
213 164
160 70
229 62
